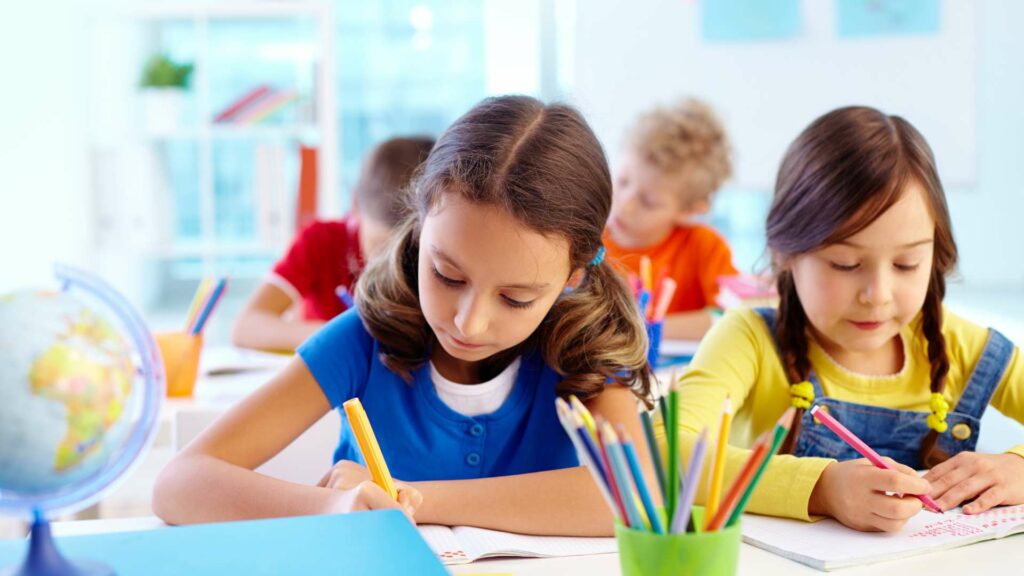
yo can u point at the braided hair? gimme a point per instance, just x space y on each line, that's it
840 174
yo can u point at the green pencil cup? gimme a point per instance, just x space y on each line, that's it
643 553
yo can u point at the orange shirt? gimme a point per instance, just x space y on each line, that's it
695 256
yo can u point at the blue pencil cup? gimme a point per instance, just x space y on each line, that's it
654 342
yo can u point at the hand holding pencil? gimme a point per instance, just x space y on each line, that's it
856 492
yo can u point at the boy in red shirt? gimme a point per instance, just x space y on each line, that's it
674 161
304 289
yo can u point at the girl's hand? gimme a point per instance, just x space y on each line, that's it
989 479
349 477
855 493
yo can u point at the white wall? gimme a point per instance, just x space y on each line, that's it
43 192
632 55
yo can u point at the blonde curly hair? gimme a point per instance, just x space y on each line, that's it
686 138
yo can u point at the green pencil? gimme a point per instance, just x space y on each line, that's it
781 429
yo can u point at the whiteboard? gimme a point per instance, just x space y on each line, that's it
631 56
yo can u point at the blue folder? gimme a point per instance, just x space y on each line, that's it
380 543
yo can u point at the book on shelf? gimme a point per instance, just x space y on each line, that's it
247 99
256 106
465 544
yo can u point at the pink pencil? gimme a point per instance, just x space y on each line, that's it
865 450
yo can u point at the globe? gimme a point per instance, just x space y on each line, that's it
81 384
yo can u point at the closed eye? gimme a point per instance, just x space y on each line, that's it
843 268
449 282
906 267
517 303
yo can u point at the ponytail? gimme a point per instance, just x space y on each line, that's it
595 334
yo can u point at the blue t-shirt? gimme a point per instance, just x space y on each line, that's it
420 436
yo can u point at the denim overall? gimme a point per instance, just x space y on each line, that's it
898 433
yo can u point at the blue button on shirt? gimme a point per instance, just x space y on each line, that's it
420 436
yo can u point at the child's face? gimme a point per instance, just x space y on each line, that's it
859 293
373 235
486 281
647 203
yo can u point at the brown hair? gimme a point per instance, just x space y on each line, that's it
544 166
842 172
686 138
385 176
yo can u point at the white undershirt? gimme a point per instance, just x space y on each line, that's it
476 399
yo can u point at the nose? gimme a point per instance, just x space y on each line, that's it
471 318
877 289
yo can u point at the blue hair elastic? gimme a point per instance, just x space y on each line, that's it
599 257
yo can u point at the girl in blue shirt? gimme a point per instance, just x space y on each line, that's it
492 299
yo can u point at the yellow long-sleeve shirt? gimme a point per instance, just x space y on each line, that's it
738 357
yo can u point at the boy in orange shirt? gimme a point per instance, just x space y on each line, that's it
674 161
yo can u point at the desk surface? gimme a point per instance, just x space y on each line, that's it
1004 556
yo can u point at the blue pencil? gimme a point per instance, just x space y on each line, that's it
587 455
345 297
618 465
641 485
204 315
683 511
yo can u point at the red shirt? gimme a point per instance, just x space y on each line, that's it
695 256
323 256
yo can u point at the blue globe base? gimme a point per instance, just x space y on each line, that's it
45 560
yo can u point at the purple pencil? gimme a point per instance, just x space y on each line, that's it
682 517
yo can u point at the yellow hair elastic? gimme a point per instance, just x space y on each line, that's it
937 419
802 394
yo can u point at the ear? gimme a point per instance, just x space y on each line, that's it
695 208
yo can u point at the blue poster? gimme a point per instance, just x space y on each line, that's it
860 18
746 20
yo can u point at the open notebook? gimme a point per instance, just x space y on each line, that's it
827 544
464 544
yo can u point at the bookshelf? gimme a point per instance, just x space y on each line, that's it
193 196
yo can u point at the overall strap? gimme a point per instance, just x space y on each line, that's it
987 375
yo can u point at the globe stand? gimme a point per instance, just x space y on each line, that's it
45 560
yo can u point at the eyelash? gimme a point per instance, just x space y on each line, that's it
450 283
900 267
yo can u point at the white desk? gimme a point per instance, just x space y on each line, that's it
990 558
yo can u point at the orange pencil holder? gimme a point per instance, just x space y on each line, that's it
180 353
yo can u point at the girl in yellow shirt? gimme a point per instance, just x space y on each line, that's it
861 242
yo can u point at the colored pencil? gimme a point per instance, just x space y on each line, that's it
682 515
202 292
638 480
866 451
718 466
588 418
781 429
672 466
652 445
618 466
587 454
739 485
208 307
665 294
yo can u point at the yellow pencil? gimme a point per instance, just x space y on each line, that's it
588 418
646 275
193 309
369 447
718 471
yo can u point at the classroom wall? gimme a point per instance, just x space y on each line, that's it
986 211
43 187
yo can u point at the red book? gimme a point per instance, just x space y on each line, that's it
305 206
245 100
